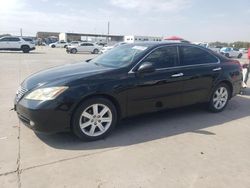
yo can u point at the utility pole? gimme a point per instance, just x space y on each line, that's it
108 27
21 32
108 32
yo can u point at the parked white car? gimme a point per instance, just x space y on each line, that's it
84 47
59 44
17 44
107 48
231 52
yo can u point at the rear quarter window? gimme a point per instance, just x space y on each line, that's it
28 39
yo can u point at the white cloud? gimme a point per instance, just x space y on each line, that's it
152 5
10 5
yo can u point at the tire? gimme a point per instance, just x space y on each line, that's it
25 49
219 98
65 46
73 51
53 46
93 128
96 51
227 55
239 56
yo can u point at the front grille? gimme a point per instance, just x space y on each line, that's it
20 93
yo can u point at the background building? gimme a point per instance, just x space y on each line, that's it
68 37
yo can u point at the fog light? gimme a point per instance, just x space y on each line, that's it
32 123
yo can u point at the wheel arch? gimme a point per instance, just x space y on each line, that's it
73 49
106 96
24 45
229 84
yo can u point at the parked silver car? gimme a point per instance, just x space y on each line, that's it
83 47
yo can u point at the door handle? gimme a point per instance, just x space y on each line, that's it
217 69
177 75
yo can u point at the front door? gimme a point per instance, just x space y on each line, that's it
160 89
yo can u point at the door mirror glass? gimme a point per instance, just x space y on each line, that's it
146 67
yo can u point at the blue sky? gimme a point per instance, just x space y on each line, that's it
195 20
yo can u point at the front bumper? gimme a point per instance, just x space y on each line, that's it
47 117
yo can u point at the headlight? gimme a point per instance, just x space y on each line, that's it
45 94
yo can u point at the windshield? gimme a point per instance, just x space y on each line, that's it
120 56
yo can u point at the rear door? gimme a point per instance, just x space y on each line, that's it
90 47
200 69
82 47
15 43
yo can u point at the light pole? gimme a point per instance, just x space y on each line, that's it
108 32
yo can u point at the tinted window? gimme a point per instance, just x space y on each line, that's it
28 39
2 39
192 56
163 57
14 39
6 39
88 44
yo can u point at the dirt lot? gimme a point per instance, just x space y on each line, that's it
187 147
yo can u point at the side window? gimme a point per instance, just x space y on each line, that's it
14 39
83 44
163 57
192 56
89 44
6 39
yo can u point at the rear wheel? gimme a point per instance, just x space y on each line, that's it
219 98
227 55
94 119
240 55
53 46
25 49
73 51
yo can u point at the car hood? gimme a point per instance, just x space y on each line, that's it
63 74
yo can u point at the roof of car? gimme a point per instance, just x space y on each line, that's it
159 43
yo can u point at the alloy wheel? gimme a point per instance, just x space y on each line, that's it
220 98
95 120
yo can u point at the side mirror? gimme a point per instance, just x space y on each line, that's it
146 67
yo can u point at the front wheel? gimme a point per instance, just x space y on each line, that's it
96 51
94 119
219 98
239 56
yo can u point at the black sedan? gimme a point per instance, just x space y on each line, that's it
89 98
